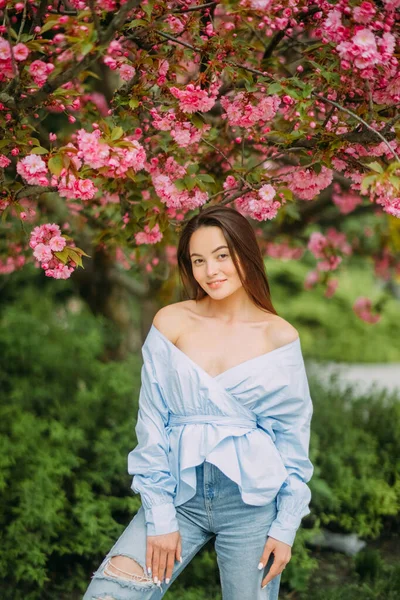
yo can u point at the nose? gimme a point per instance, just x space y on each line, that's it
211 268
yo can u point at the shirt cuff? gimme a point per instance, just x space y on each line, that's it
284 530
161 519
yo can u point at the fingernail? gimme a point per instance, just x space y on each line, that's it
167 580
260 566
149 570
155 579
180 559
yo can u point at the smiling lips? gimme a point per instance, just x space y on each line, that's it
217 283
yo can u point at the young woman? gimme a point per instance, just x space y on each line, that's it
223 428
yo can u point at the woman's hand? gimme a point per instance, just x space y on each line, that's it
161 553
282 554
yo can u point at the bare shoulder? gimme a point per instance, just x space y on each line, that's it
282 332
169 320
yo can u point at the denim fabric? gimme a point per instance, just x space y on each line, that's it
215 511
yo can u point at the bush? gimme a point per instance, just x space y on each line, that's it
67 425
354 445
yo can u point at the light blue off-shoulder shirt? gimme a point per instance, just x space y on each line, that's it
252 421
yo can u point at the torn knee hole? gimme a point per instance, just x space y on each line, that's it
124 567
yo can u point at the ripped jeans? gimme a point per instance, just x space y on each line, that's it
216 510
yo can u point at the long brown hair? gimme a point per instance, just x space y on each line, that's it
242 243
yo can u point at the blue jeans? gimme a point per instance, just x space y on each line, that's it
216 510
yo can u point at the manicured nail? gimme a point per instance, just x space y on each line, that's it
149 570
180 559
155 579
167 580
263 588
260 566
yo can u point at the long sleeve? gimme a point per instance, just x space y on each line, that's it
292 431
148 461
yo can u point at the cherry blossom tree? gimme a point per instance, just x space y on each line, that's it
121 119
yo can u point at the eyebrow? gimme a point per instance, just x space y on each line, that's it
219 248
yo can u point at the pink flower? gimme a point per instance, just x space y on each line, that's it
4 161
260 208
306 183
363 309
194 99
126 72
362 49
240 112
149 236
345 201
317 244
311 280
5 49
40 71
57 243
33 169
364 13
266 192
21 52
42 253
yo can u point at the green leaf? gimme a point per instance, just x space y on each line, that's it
49 25
206 178
274 88
55 165
39 150
117 133
75 257
190 182
137 22
63 255
366 182
375 166
317 168
180 184
292 211
133 103
192 168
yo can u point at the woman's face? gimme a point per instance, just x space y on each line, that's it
212 262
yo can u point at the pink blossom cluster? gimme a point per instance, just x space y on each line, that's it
314 277
363 309
326 247
14 261
247 110
20 53
194 99
306 184
260 206
113 160
73 188
345 201
149 236
4 161
164 178
388 197
40 71
283 251
45 240
183 132
363 38
365 50
382 264
33 169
